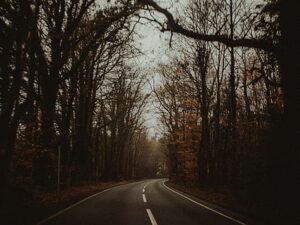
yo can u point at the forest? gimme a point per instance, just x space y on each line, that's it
73 98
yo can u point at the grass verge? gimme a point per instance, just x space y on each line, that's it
36 206
224 198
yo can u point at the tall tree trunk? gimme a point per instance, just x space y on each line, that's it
11 113
205 140
232 107
289 153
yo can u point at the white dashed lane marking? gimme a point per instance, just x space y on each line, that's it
144 198
151 217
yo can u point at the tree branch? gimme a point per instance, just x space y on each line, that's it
262 44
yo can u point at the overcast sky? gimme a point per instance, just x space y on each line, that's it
155 46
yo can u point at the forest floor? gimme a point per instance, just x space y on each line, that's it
224 198
20 207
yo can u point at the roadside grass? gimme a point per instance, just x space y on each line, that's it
222 197
256 209
32 206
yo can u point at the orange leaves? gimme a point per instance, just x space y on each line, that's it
73 194
187 165
187 143
189 103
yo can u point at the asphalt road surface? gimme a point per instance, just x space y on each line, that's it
147 202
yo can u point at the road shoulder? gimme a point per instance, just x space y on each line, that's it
45 205
197 196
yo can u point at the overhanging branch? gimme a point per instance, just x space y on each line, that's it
262 44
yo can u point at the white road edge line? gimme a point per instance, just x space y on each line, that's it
144 198
143 190
151 217
204 206
77 203
71 206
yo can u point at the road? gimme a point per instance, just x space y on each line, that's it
147 202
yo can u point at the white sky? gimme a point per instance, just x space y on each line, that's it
155 46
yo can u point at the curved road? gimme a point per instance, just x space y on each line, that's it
147 202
